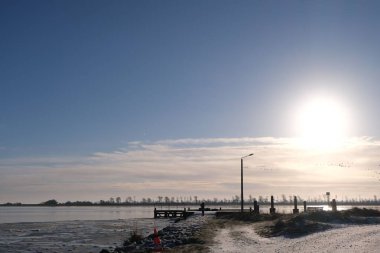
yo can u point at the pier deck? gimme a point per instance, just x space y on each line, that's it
172 213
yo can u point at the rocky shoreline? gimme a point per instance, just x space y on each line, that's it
180 233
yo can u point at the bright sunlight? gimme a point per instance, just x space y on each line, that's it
322 123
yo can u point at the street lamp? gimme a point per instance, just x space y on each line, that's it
242 197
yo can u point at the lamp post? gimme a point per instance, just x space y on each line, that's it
242 197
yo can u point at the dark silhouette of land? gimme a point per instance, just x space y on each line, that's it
180 201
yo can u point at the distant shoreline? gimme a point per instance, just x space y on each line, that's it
354 204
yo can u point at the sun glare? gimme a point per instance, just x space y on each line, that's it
322 123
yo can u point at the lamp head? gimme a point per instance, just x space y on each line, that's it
247 155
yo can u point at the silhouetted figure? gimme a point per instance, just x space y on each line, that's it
203 208
256 207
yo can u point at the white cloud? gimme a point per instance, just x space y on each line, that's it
203 167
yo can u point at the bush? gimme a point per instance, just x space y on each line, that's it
134 237
51 202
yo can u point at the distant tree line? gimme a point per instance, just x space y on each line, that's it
195 200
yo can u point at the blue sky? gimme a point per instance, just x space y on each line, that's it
78 78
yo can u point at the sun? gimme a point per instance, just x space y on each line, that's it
322 122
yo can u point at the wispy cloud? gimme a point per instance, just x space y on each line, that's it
203 167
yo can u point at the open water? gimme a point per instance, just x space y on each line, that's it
12 214
15 214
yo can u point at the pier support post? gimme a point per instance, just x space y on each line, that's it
304 206
155 213
272 210
295 210
256 207
333 205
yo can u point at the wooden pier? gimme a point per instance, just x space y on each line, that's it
172 213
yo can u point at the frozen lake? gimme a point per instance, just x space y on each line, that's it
11 214
15 214
72 229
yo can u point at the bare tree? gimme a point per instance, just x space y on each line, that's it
128 199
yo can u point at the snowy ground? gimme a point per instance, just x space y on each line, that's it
242 238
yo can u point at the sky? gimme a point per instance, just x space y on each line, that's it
144 98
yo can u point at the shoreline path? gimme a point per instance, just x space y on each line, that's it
347 239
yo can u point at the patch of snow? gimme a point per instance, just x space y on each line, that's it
348 239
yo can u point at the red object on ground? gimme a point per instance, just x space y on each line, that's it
156 239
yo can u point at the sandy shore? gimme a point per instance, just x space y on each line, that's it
352 238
